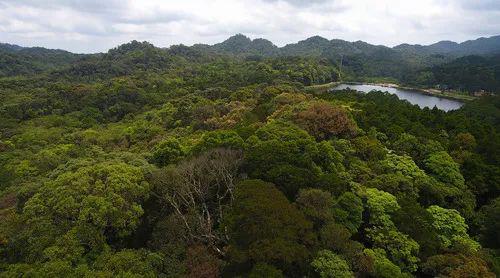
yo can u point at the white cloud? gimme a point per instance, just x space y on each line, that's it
97 25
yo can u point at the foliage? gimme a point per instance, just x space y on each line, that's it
383 267
98 199
450 226
489 222
327 264
265 227
316 205
456 265
442 166
322 120
265 270
381 205
401 249
167 152
347 210
219 139
415 221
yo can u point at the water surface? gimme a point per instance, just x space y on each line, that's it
414 97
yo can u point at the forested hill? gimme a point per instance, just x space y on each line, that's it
468 73
481 46
415 65
361 59
17 60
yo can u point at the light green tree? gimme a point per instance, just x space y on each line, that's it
401 249
381 205
442 166
451 228
91 202
330 265
382 266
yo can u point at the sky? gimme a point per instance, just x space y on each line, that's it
89 26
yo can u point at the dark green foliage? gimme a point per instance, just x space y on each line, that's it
16 60
469 73
167 151
415 221
347 210
277 153
264 227
489 224
265 270
316 205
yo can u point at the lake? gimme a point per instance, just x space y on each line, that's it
414 97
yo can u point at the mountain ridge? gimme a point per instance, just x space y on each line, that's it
240 40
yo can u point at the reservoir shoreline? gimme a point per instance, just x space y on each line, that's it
429 92
412 96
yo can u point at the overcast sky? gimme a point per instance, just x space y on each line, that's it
96 25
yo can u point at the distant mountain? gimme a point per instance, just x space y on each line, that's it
360 58
443 47
9 47
312 46
481 46
320 46
18 60
240 44
122 60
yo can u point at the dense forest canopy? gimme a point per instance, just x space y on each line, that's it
219 161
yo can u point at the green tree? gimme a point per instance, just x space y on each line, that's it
442 166
219 139
283 154
489 224
451 227
264 270
415 221
369 148
316 205
329 159
403 165
167 151
383 267
348 210
94 202
265 227
128 263
400 248
329 265
381 206
335 237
